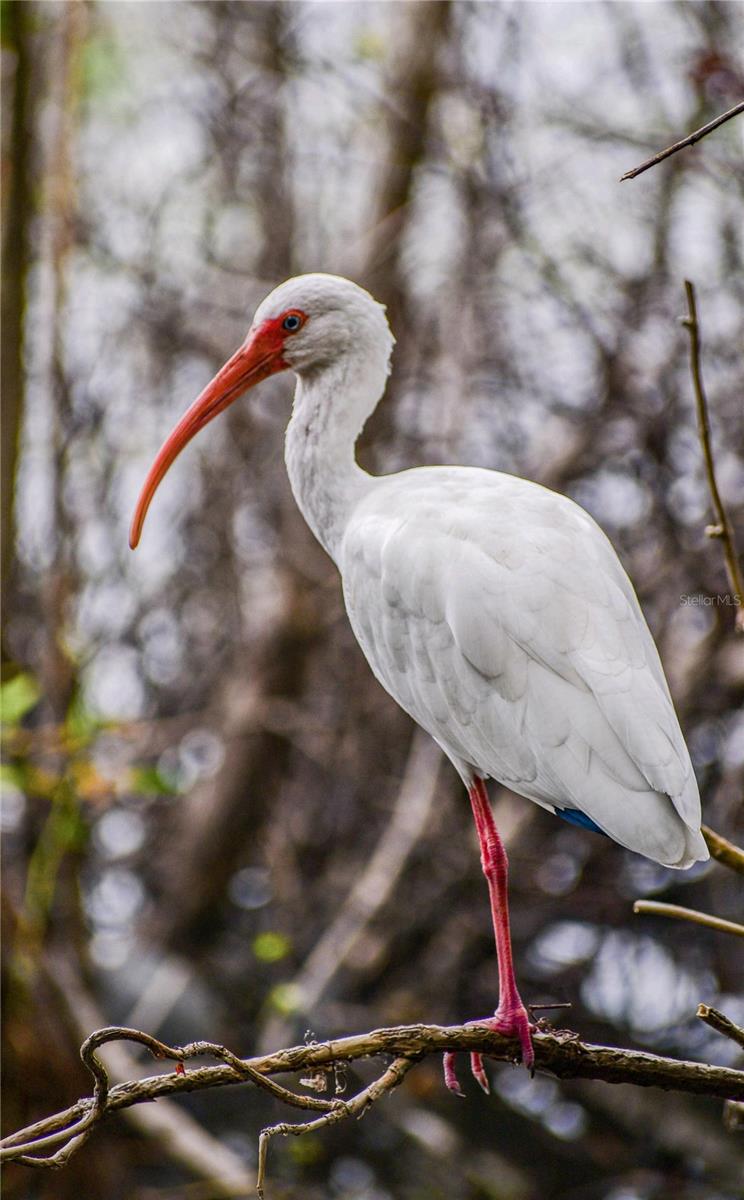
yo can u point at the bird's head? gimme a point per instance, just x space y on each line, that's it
307 324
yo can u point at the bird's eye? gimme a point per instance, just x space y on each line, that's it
292 322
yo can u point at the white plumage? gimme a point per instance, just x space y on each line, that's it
494 611
498 615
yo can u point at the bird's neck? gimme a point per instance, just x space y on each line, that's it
330 408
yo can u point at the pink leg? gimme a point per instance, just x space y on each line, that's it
511 1016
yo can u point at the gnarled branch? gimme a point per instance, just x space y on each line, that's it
558 1052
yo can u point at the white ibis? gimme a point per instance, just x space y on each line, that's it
494 611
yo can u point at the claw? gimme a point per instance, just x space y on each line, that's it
450 1075
479 1074
524 1031
514 1023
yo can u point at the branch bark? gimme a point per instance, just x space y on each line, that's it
686 141
558 1052
658 909
723 851
721 1023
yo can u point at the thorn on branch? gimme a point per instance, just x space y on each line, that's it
545 1007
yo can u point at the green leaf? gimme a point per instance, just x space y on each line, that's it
17 697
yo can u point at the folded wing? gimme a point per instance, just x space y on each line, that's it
503 621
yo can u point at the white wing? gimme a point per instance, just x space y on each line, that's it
498 615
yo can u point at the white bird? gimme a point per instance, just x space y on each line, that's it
496 612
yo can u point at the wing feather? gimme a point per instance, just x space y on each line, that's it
503 621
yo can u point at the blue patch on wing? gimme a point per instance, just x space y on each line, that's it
575 816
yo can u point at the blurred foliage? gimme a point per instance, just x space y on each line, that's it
17 696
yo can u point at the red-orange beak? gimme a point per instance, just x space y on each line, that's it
258 357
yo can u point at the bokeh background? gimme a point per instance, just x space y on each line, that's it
216 824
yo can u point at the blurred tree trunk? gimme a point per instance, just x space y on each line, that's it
41 1054
206 842
414 76
413 79
67 32
16 143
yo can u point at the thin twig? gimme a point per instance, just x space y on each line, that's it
355 1107
722 528
721 1023
656 908
686 141
723 850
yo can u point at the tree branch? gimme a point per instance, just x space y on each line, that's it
723 851
722 528
389 1079
559 1052
657 908
721 1023
733 1110
686 141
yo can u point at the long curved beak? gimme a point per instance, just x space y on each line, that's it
258 357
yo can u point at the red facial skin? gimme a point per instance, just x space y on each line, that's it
261 355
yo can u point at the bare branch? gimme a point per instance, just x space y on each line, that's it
721 1023
723 850
722 528
733 1110
686 141
352 1108
656 908
557 1051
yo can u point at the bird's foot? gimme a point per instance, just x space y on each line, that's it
512 1022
